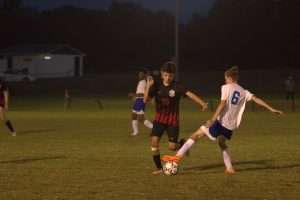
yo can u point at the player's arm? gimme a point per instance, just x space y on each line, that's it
197 99
264 104
5 99
217 113
150 83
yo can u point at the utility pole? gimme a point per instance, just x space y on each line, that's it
177 38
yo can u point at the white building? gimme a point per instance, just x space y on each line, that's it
44 61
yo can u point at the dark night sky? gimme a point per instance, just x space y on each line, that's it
187 7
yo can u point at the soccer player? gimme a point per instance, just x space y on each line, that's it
167 95
4 107
226 118
138 109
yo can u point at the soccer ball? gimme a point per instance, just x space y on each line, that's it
171 168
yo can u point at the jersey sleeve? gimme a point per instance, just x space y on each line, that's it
153 90
248 95
182 90
141 87
224 93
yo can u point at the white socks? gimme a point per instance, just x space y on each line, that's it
135 127
148 124
187 145
227 159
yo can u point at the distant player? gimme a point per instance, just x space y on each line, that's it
167 95
289 86
138 109
4 106
226 118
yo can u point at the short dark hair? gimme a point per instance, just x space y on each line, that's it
143 69
233 72
169 67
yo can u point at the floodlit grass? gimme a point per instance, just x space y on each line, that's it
88 153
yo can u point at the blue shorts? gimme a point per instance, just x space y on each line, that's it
139 106
217 129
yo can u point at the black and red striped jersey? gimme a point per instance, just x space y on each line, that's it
167 99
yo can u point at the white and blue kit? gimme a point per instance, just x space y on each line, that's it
231 115
139 105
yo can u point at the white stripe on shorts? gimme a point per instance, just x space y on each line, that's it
206 131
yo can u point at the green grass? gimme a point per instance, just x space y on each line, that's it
88 153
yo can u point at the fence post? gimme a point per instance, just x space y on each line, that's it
67 103
99 104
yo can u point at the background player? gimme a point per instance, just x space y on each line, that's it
4 107
226 118
167 95
138 109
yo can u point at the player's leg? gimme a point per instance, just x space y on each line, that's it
226 154
6 121
134 124
211 132
157 132
146 122
186 146
173 134
156 154
190 142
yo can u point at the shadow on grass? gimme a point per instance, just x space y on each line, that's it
259 165
24 132
21 161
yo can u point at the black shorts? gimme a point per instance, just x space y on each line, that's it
172 131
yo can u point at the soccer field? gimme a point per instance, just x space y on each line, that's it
88 153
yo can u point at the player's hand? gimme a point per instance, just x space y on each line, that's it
204 106
130 94
150 80
277 112
208 123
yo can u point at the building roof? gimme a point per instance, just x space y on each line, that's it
37 49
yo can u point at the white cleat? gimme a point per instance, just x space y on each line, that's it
134 134
14 134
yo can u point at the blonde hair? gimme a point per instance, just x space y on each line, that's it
233 72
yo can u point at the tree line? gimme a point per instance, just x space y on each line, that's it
251 33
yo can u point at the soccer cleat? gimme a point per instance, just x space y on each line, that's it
14 134
134 134
158 171
171 158
181 143
230 171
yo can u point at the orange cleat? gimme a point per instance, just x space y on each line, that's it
230 171
171 158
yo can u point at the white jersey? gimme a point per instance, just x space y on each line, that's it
236 98
141 87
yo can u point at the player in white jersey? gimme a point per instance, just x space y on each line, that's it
138 109
226 118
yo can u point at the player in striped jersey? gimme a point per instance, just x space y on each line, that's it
167 95
226 118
